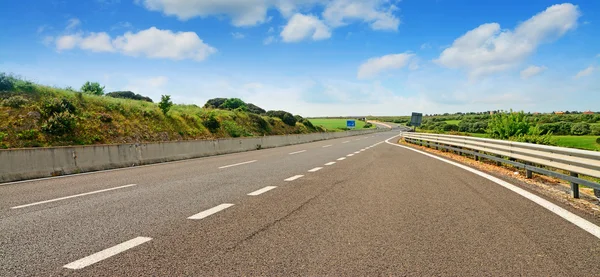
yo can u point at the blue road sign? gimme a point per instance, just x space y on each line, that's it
350 123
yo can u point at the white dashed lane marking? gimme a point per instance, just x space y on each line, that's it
330 163
297 152
210 211
72 196
231 165
294 178
261 191
315 169
107 253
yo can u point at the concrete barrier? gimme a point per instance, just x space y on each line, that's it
31 163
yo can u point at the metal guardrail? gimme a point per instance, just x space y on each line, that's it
542 159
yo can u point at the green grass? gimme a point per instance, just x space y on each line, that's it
478 135
581 142
455 122
335 124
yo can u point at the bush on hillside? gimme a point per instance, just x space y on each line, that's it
7 82
60 124
165 103
286 117
215 103
232 104
367 126
260 122
211 123
92 88
16 101
56 106
128 95
255 109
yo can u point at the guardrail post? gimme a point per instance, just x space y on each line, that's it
575 186
475 156
528 174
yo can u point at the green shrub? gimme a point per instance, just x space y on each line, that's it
367 126
3 135
255 109
28 134
598 140
165 103
506 125
128 95
211 123
92 88
60 124
260 122
232 104
24 86
7 82
54 106
16 101
215 103
581 129
536 139
595 130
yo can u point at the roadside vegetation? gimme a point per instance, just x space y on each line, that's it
339 124
569 129
33 115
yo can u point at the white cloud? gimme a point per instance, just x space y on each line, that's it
241 12
531 71
301 27
374 66
378 13
586 72
488 49
271 30
425 46
73 23
269 40
237 35
151 43
67 42
122 25
97 42
48 40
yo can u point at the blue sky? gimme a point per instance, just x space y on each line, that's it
317 57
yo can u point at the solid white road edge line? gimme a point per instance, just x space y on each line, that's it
261 191
293 178
210 211
248 162
72 196
297 152
315 169
568 216
330 163
107 253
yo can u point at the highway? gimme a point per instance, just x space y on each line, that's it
345 207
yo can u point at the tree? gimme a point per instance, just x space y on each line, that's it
165 103
581 129
506 125
215 103
286 117
232 104
92 88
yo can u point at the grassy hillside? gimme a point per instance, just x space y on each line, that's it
338 124
33 115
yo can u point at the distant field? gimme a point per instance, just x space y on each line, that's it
455 122
581 142
332 124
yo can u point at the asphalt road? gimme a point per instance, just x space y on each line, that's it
383 210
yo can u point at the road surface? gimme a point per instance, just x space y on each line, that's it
350 206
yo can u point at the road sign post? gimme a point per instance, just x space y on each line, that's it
350 124
416 119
